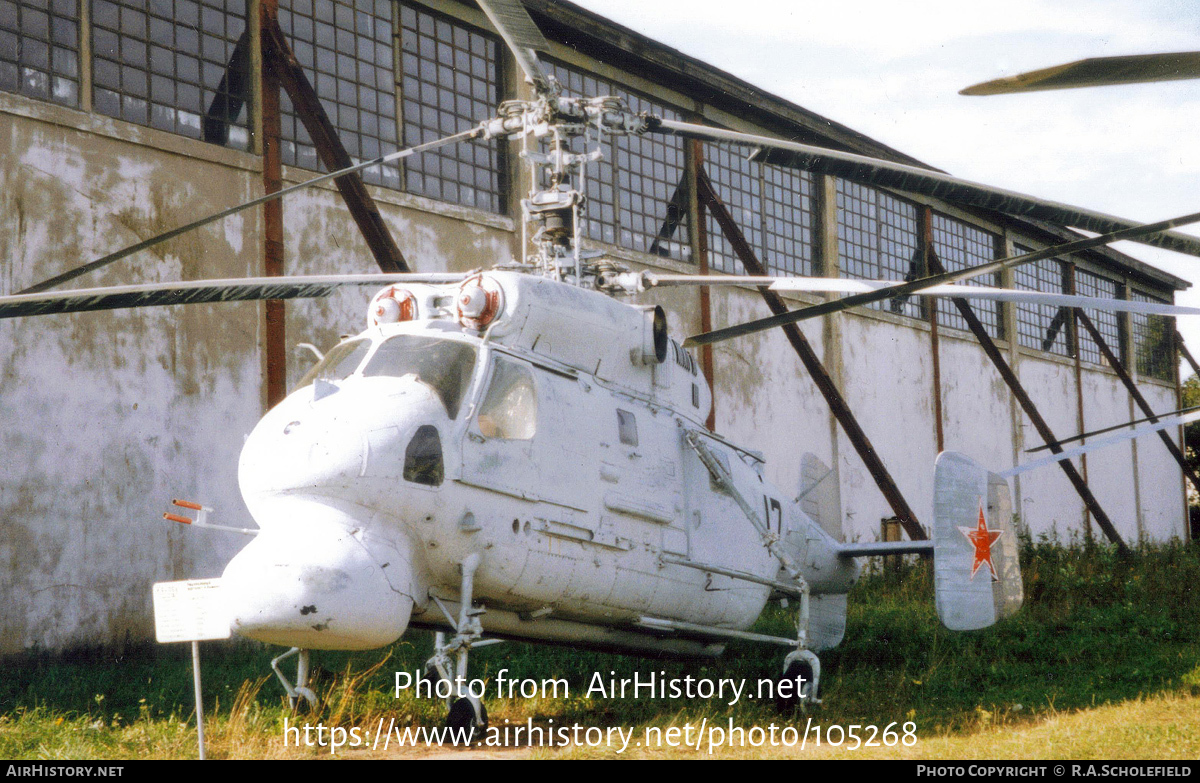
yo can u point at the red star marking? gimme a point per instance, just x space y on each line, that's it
982 539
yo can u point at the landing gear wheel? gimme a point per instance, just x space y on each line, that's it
788 703
462 716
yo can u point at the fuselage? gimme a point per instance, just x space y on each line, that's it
551 441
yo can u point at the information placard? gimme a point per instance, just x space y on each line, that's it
189 611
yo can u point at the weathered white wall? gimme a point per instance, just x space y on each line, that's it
109 416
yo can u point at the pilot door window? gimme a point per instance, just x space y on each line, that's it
509 410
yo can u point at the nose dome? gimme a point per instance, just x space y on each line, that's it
314 585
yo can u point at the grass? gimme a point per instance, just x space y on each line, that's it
1103 660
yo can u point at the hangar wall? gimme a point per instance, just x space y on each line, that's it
108 416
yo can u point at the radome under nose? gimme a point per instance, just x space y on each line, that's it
313 586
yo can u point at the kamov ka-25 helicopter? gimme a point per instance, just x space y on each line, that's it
515 453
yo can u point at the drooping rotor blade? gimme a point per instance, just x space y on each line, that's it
1094 433
906 289
899 176
523 37
200 291
843 285
1111 440
71 274
1096 72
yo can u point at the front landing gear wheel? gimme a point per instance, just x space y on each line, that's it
463 717
799 683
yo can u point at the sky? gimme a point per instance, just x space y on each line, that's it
892 70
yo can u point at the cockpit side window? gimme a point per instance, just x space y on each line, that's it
445 366
340 363
509 410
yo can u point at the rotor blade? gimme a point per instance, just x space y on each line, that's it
71 274
1111 440
200 291
846 286
1093 433
923 181
523 37
1096 72
905 289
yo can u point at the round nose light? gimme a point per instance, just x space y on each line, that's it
480 300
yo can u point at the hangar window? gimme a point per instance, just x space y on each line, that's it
773 206
509 410
650 181
450 83
1153 340
788 224
1106 321
1042 326
346 51
739 184
39 50
640 203
959 245
180 67
877 240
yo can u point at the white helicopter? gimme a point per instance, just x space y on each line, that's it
516 453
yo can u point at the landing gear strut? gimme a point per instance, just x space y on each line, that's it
466 710
300 689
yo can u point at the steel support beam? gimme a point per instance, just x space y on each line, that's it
279 59
1136 394
698 216
1179 344
837 404
1073 345
275 347
1018 391
931 315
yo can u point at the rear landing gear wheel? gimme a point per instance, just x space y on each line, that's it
463 717
797 686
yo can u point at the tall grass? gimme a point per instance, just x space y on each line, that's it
1096 628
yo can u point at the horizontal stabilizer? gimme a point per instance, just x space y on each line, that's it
877 548
977 576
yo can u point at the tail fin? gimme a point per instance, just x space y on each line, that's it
976 572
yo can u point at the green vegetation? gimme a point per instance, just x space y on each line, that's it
1096 630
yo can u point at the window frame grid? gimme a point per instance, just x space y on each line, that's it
131 82
1049 275
471 174
863 233
788 242
321 40
638 228
959 245
1159 362
1107 322
39 50
742 192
